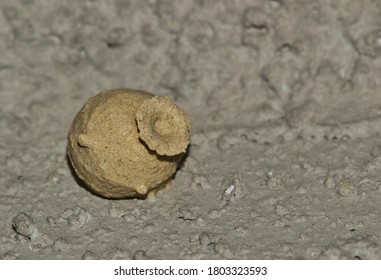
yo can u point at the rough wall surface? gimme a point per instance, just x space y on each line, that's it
285 103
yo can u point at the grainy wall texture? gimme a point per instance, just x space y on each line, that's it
285 103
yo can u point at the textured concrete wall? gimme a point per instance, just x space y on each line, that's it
285 103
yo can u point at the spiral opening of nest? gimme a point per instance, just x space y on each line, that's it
164 127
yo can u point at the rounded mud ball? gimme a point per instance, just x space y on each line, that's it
127 143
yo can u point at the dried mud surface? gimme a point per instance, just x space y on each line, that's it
284 98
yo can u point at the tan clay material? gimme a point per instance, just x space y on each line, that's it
127 143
